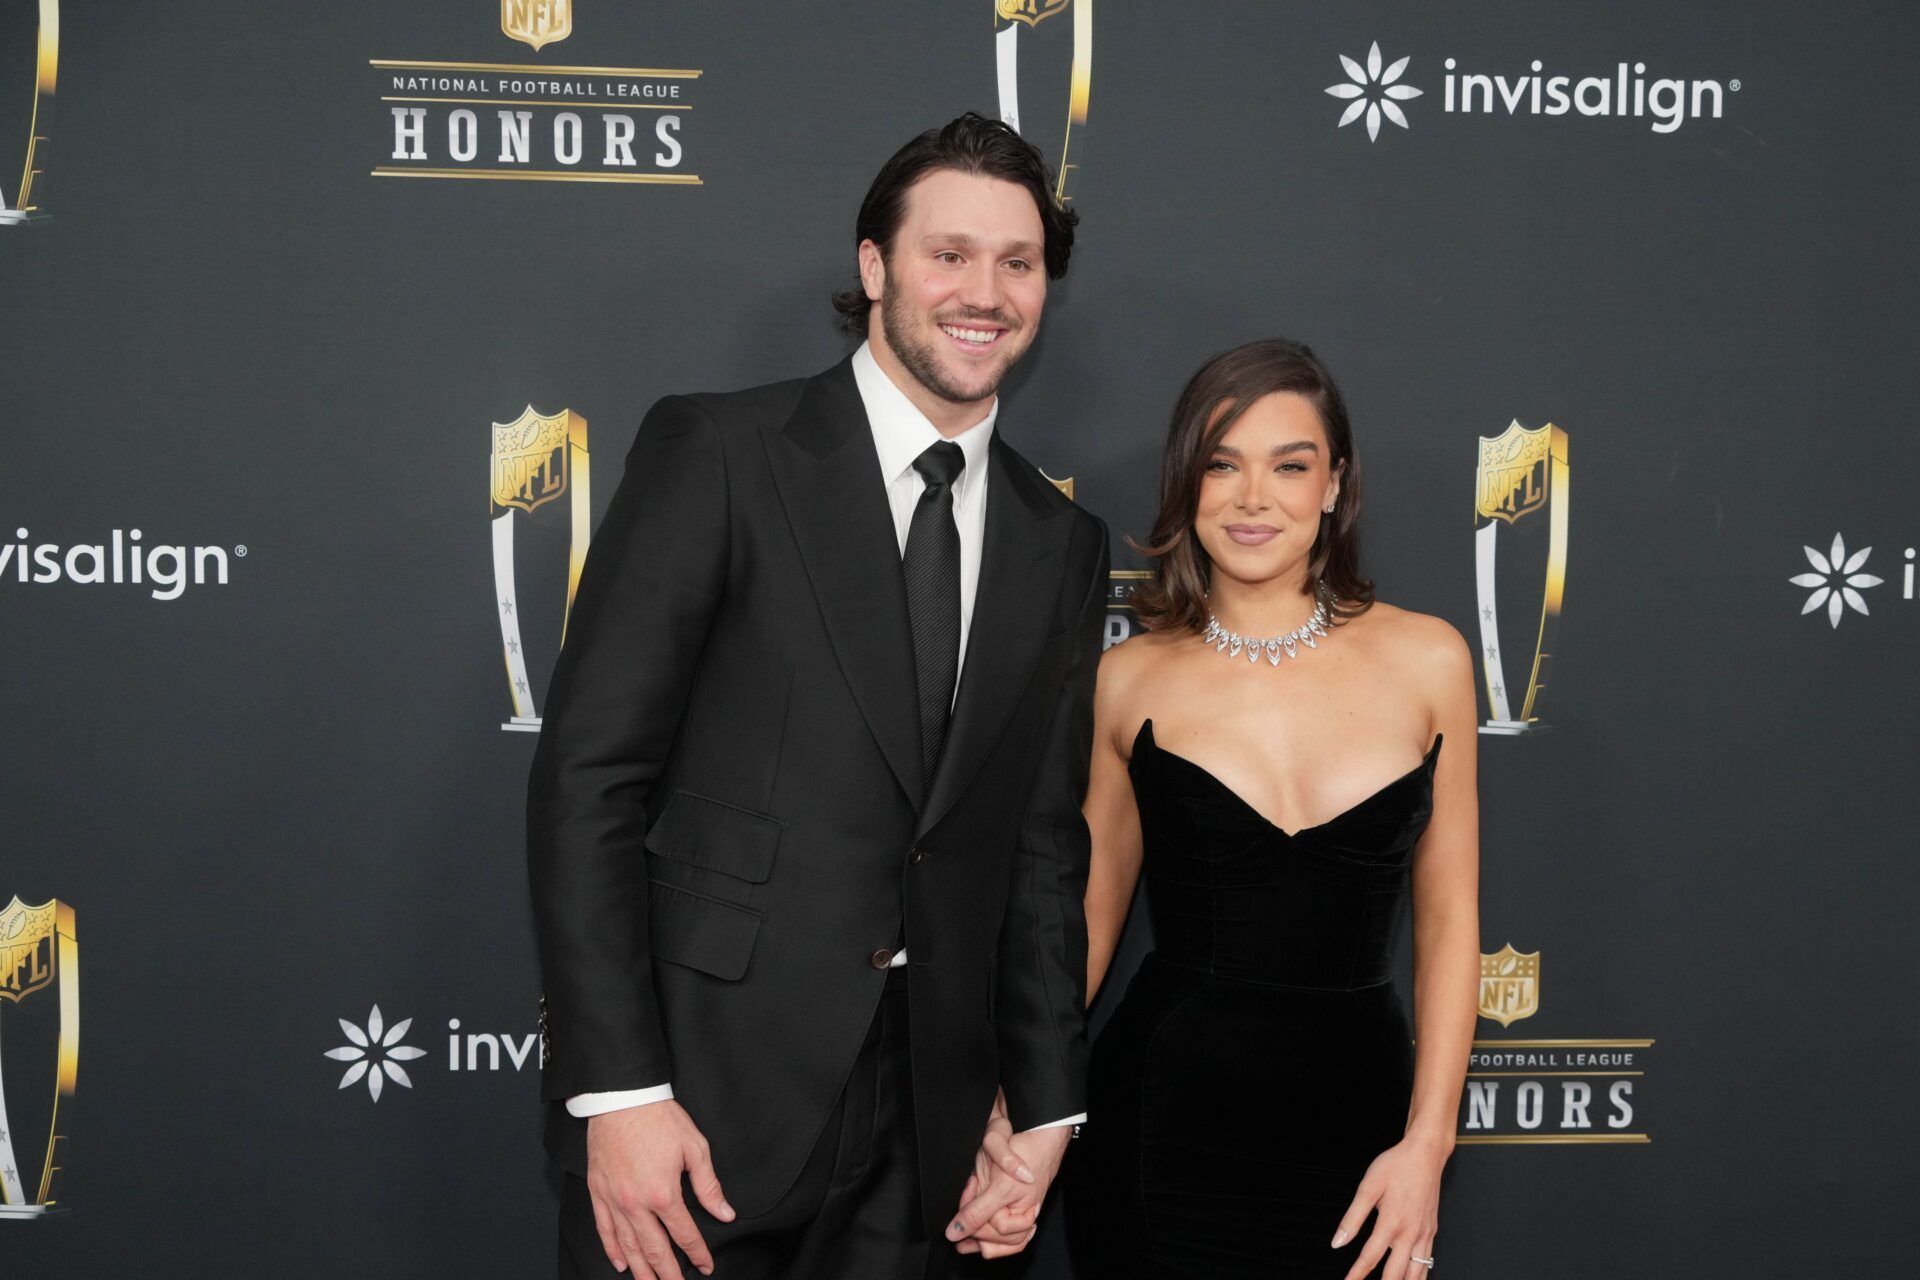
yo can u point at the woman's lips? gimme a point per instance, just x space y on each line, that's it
1252 535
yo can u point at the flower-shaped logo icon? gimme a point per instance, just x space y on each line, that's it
1374 92
367 1050
1837 582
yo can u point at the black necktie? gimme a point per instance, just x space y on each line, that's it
932 569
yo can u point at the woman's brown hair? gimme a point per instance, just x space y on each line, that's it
1175 596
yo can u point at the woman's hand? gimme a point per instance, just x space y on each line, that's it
1403 1186
1011 1225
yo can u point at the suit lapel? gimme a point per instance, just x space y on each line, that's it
1012 610
828 476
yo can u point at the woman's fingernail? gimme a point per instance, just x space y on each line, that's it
1026 1174
1340 1238
726 1212
620 1266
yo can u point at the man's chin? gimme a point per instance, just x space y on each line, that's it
969 383
971 390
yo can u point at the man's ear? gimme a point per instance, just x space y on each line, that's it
873 270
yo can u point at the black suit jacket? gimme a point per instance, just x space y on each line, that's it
726 817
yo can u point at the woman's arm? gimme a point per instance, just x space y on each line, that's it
1403 1183
1112 820
1446 910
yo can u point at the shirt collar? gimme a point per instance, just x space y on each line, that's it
902 433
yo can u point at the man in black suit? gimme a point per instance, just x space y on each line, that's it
804 821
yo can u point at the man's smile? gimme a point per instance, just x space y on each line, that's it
972 339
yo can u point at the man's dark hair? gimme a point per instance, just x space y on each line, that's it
970 144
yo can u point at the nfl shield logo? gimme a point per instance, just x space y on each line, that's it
1509 985
1029 11
537 22
1514 472
27 954
530 460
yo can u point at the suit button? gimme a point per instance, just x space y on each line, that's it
881 958
917 857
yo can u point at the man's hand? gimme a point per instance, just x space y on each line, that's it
635 1157
1010 1225
1000 1208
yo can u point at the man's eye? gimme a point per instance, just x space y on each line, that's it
1019 266
949 257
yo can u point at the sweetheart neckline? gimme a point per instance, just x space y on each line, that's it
1426 762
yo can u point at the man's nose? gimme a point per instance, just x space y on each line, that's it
980 288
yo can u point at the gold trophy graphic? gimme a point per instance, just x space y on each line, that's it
1057 62
29 60
1522 473
39 1052
536 459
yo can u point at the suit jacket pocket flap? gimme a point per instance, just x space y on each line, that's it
716 836
703 933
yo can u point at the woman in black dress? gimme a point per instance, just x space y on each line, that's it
1286 760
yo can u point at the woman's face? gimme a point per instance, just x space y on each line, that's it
1264 488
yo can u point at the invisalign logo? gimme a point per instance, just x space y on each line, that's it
1670 103
1377 92
121 560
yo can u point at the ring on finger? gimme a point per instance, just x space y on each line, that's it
1425 1262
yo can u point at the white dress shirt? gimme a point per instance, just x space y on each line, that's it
901 433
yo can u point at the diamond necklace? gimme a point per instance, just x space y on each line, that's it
1232 643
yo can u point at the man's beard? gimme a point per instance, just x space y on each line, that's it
896 319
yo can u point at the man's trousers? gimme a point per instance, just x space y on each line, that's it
854 1211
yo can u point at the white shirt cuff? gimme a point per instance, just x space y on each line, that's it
598 1104
1051 1124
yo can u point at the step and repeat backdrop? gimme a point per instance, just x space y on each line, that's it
326 327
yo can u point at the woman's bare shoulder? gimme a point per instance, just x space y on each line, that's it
1130 667
1418 641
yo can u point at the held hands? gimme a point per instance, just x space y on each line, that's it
1403 1185
1000 1205
635 1157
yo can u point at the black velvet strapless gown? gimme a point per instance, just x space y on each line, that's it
1260 1059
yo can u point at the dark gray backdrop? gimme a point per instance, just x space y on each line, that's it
277 802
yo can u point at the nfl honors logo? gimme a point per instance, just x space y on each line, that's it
1509 985
537 22
1547 1090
